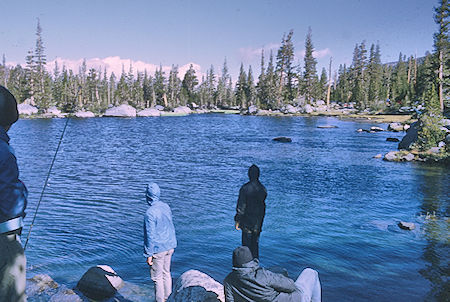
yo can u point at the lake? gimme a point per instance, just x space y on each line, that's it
331 206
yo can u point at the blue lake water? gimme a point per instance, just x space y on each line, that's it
330 206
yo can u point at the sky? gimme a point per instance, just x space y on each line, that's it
148 34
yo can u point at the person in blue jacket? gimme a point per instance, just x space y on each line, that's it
13 201
159 242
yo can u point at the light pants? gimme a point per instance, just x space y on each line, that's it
308 284
12 269
160 274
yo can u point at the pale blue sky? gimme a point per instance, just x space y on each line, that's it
204 32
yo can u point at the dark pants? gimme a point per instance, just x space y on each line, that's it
251 240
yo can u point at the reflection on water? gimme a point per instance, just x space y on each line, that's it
435 183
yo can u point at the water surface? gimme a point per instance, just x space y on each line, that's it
330 206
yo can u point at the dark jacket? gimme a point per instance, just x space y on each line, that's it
13 193
253 283
251 208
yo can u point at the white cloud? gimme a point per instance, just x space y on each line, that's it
249 53
316 53
116 63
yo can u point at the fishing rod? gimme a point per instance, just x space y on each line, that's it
45 184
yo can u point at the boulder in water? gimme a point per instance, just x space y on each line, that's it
196 286
282 139
396 127
100 282
123 110
26 109
391 156
406 225
376 129
149 112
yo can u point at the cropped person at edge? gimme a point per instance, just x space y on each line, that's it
13 201
159 242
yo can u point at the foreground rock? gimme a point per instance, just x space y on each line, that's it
121 111
149 112
196 286
406 225
100 282
282 139
27 109
84 114
44 288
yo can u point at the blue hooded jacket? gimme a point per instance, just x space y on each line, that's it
13 193
159 232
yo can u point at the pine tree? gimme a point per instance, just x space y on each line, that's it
42 91
359 77
322 85
159 86
285 70
241 87
400 83
261 87
221 95
271 84
442 47
250 93
310 72
374 70
188 85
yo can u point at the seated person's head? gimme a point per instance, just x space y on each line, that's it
8 108
241 255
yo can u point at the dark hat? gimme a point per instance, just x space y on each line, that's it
8 108
253 172
241 255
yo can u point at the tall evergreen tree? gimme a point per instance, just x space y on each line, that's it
241 87
310 72
442 47
285 70
188 85
250 92
374 70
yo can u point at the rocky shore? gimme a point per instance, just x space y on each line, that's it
317 109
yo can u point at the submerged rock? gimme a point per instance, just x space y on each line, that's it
26 109
378 156
406 225
327 126
196 286
43 288
282 139
100 282
121 111
392 139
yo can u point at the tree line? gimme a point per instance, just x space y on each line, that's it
367 82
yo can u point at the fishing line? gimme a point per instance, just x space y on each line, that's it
45 184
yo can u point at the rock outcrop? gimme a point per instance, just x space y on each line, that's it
396 127
149 112
196 286
26 109
84 114
182 110
121 111
100 282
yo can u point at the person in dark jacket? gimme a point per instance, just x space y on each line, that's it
250 210
13 201
248 282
